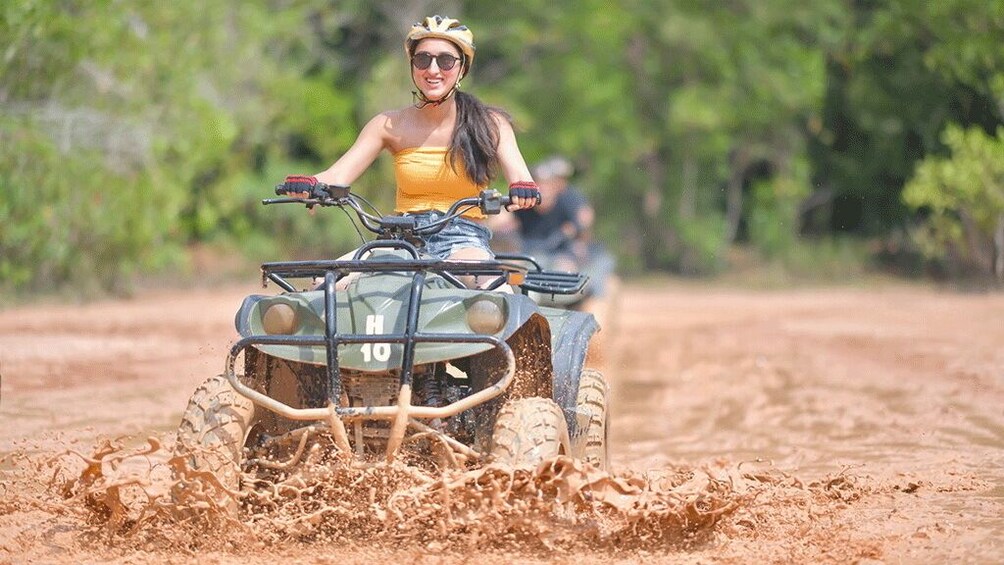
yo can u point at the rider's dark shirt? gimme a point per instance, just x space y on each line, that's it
538 229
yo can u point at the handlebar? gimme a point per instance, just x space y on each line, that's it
489 201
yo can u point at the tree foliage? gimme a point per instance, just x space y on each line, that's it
963 195
130 130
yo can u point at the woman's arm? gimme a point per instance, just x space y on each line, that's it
511 161
510 158
371 140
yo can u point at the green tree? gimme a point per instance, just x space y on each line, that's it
901 72
129 130
963 198
671 109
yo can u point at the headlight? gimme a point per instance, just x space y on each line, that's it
280 319
485 316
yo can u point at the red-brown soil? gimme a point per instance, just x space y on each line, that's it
831 425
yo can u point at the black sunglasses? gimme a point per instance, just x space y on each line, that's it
423 60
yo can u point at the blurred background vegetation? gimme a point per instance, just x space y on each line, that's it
818 139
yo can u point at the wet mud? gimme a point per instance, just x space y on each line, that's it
825 426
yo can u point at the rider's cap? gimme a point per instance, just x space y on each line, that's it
553 167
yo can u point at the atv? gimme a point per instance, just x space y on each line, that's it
392 356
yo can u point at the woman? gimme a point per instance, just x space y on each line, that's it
447 146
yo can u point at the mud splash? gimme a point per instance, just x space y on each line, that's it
125 500
128 497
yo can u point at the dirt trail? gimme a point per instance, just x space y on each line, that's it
844 425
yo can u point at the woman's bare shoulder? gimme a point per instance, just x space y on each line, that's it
394 122
502 118
396 127
398 115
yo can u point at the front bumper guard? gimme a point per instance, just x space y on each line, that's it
402 414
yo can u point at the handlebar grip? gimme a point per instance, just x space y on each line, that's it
505 201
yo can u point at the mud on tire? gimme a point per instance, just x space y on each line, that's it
528 431
590 443
213 430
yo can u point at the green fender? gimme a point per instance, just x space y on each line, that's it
377 304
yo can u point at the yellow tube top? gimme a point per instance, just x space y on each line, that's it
426 181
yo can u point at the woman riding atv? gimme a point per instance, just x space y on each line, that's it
408 360
446 146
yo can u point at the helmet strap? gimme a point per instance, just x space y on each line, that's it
419 100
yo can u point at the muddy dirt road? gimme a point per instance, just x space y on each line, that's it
869 424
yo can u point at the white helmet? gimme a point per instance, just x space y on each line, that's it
443 28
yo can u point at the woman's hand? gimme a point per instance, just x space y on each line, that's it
299 186
523 195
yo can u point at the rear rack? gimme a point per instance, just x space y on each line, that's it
553 282
544 282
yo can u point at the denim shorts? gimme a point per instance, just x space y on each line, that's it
458 233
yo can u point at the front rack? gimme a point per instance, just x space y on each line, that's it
504 272
404 414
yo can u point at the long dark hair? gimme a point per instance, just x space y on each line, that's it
476 138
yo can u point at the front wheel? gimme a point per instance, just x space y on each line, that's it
528 431
213 431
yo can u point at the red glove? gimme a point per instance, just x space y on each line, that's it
525 189
296 184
